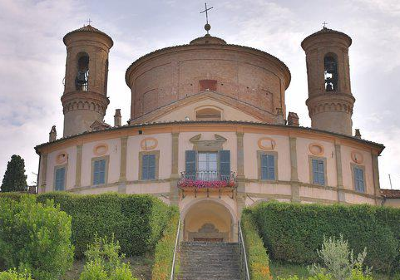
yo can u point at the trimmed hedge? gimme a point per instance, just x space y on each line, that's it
294 232
257 257
165 248
137 221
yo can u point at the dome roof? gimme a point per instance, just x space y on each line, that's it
88 29
208 39
327 31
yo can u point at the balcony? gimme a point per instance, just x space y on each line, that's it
207 182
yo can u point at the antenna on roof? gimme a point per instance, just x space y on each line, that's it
390 181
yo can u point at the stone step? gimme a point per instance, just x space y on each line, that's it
209 261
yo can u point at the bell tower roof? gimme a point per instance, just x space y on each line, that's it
327 31
87 29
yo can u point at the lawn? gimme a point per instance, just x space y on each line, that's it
285 270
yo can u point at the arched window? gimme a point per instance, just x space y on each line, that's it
208 114
331 72
82 76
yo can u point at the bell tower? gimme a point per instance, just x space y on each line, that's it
85 92
330 101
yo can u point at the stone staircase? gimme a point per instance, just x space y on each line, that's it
209 261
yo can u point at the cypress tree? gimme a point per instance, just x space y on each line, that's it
14 179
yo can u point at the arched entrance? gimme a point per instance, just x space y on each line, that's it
208 220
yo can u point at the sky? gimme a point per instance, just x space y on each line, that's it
32 58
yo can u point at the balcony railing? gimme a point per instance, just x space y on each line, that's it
206 181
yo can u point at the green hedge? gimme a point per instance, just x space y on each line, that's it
137 221
165 248
293 232
257 256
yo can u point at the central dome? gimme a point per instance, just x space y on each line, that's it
240 77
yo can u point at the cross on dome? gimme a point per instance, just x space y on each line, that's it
207 27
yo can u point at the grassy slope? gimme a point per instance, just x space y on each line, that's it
285 270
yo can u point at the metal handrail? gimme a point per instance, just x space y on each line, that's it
208 175
243 251
178 231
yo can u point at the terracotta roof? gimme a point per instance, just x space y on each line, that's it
88 28
325 30
390 193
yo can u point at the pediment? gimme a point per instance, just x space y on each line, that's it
186 110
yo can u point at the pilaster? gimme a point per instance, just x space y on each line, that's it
174 192
294 176
78 176
339 172
43 172
375 170
241 190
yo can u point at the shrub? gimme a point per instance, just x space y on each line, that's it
35 237
257 256
13 275
136 221
165 248
293 232
104 261
338 260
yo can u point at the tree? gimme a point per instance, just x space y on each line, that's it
14 179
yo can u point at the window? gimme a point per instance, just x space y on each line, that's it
268 167
99 172
331 72
60 179
359 182
208 166
208 114
318 171
149 167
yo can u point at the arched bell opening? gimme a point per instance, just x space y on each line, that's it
209 221
82 76
331 72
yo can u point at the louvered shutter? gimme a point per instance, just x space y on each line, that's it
225 163
271 167
190 159
145 166
151 170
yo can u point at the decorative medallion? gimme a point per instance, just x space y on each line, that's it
61 158
100 149
357 157
266 144
316 149
148 144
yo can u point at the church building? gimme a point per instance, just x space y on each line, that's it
209 130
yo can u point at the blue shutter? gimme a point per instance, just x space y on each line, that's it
151 169
359 179
225 164
102 172
145 167
190 163
96 173
60 179
271 167
264 167
318 172
99 172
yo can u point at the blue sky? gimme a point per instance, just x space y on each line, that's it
32 57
